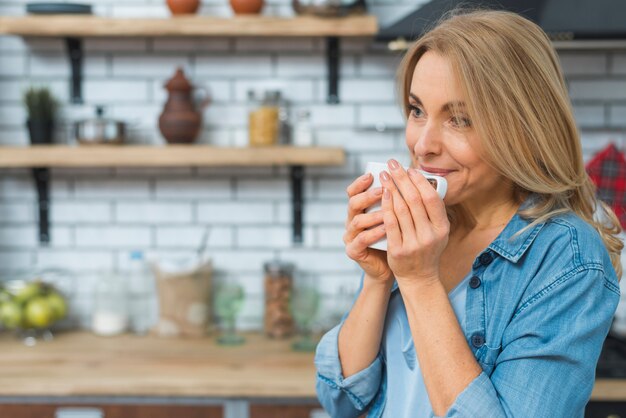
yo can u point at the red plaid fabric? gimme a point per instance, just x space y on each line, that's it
607 169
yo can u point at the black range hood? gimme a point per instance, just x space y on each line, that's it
562 20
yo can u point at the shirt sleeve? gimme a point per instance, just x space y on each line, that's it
344 397
546 366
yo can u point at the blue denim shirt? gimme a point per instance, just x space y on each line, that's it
537 310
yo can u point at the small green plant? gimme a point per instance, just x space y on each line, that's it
40 104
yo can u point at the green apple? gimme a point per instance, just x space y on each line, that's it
11 314
38 312
57 304
29 291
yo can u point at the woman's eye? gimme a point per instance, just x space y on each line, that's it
461 122
415 111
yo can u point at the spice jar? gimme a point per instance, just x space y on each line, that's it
278 284
264 121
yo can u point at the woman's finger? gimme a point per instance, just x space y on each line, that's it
404 217
360 202
362 222
392 227
360 184
400 208
364 239
410 193
433 204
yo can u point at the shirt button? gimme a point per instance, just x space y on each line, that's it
474 282
478 340
485 259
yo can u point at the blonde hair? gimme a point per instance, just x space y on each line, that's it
518 102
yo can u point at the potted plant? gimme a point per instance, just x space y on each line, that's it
41 107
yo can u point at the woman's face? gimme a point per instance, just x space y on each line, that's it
440 135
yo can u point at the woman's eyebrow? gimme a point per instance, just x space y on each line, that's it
445 108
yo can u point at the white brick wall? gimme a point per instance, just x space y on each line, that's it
113 236
236 213
81 212
190 237
99 215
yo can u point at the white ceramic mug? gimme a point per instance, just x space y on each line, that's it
375 169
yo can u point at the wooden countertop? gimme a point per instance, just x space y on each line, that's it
82 364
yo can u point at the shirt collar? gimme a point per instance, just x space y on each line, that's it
514 248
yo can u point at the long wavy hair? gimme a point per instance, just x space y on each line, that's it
520 108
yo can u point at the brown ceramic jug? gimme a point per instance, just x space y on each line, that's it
181 119
181 7
246 6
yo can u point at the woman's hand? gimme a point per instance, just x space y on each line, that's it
364 229
416 223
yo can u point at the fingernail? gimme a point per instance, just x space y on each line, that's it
385 176
377 191
394 164
412 172
386 194
365 176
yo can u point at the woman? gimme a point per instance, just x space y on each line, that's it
494 302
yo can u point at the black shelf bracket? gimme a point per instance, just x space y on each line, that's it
297 201
42 181
332 58
75 53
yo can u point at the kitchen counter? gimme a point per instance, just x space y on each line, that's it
84 365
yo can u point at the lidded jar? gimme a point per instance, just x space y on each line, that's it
278 321
263 119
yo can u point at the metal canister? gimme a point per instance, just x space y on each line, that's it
278 321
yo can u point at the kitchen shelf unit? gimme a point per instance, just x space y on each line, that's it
40 158
75 27
166 156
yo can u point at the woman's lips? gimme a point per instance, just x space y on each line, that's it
436 171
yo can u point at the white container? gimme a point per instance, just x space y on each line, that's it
109 323
375 169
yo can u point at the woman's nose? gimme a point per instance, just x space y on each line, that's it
428 141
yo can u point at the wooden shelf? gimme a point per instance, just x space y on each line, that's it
75 27
88 25
166 156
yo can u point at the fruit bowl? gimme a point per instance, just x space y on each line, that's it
31 308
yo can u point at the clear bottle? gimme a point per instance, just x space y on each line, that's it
110 314
302 130
142 294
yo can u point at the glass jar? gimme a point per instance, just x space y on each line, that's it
110 314
278 321
263 120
